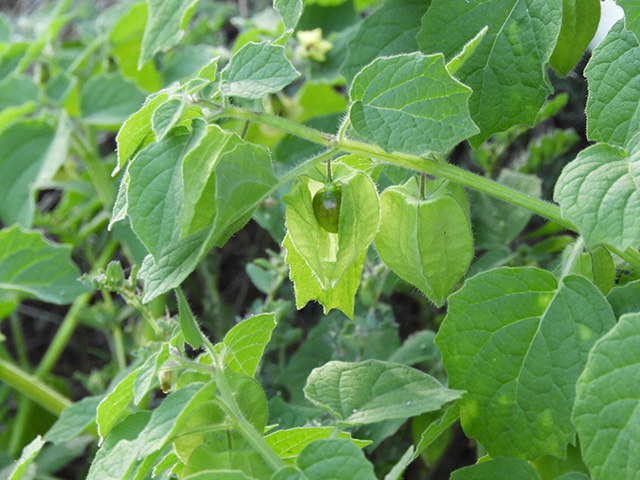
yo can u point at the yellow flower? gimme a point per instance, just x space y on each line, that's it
312 45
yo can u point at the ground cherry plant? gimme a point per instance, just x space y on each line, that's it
181 178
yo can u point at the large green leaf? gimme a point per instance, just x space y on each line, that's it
74 420
31 264
507 72
517 341
614 80
31 152
427 242
290 11
388 31
373 391
607 407
410 103
288 444
257 69
165 26
580 20
600 192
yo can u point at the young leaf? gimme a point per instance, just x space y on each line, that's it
373 391
522 34
166 116
165 26
257 69
612 74
598 191
608 401
31 151
388 31
517 341
410 103
467 52
74 420
246 341
427 243
501 468
188 324
31 264
28 455
580 20
136 128
147 373
437 428
290 11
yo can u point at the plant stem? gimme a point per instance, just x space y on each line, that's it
420 164
33 387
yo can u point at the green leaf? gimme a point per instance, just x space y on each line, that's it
31 152
598 191
136 128
18 96
290 11
335 459
419 347
147 373
631 15
517 341
116 459
113 405
166 116
580 20
188 324
390 30
165 26
437 428
613 73
426 242
288 444
257 69
28 455
597 266
501 468
32 264
607 403
74 420
246 341
410 103
522 35
109 99
398 469
126 45
625 299
466 53
496 222
373 391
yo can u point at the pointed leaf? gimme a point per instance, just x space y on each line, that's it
257 69
600 192
373 391
517 341
74 420
246 342
166 116
188 324
113 405
165 26
290 11
28 455
31 264
501 468
522 35
608 401
337 459
410 103
288 444
613 74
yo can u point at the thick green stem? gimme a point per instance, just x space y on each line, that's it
425 165
33 387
